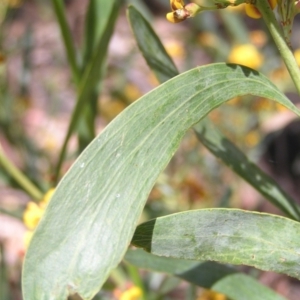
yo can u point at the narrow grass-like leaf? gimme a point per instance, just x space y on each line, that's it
67 38
241 286
210 275
225 150
96 18
92 216
153 51
90 78
233 236
218 144
95 22
204 274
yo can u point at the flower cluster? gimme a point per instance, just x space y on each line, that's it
182 11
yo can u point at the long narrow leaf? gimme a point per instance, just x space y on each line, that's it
92 216
164 68
241 286
211 275
90 78
95 23
67 38
233 236
204 274
225 150
152 49
96 19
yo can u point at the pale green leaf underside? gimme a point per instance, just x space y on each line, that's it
230 236
91 218
209 274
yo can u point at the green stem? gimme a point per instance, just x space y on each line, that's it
19 177
67 38
284 50
88 81
136 278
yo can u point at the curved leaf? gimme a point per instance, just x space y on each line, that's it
92 216
206 132
225 150
264 241
211 275
150 46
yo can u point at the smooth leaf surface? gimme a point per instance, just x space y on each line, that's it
217 143
233 236
211 275
92 216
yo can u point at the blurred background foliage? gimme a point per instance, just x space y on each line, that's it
38 93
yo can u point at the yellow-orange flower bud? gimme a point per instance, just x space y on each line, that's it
252 11
176 4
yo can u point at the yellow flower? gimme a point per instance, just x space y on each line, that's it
247 55
253 12
176 4
181 12
34 211
211 295
133 293
32 215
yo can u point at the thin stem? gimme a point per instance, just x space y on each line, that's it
67 39
284 50
88 81
136 278
19 177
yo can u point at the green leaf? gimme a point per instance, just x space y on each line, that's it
218 144
152 49
96 19
241 286
204 274
95 23
59 10
90 78
92 216
210 275
233 236
225 150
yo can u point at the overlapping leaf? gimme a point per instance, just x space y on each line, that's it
92 216
230 236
